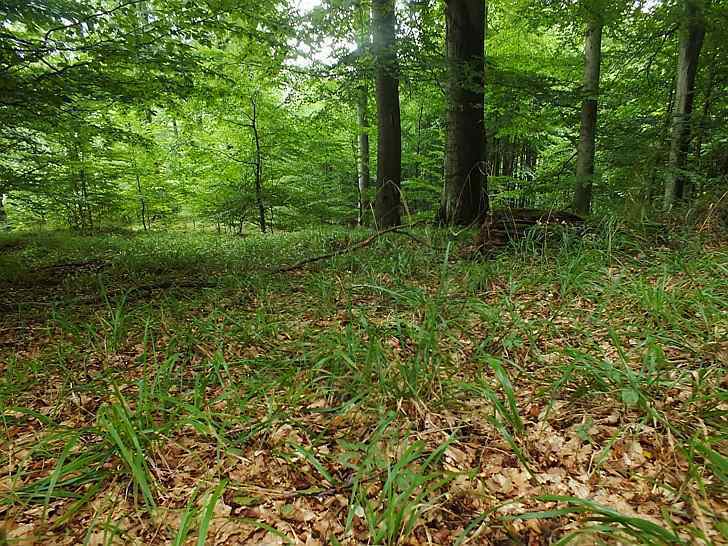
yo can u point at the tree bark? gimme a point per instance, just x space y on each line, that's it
389 149
464 197
362 110
142 202
691 42
418 144
258 164
363 163
587 137
85 212
140 193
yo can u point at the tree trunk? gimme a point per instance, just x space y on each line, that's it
464 198
418 144
691 42
389 148
363 163
3 214
142 202
258 166
85 207
362 110
588 134
140 193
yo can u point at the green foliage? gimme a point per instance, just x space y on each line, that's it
138 114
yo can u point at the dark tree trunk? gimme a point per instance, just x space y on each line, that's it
363 163
389 150
464 198
418 147
87 223
691 42
258 164
142 202
362 110
140 193
588 133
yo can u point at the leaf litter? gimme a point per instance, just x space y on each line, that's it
350 420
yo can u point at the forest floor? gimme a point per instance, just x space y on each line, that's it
171 388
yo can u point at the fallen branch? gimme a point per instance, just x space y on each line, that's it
415 238
355 246
503 226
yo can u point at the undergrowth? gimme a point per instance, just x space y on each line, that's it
172 388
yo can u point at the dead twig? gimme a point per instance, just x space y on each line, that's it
711 210
355 246
415 238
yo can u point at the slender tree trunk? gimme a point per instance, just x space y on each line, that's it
691 42
362 109
258 166
140 193
418 149
389 149
464 197
86 211
142 202
85 207
494 154
363 163
3 214
589 105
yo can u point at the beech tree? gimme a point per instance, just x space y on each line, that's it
692 33
587 136
389 147
362 110
464 196
257 161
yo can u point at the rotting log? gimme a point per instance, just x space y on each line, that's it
502 227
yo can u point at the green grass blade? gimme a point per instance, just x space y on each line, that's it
210 512
186 521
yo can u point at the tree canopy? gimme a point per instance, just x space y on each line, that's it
139 112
